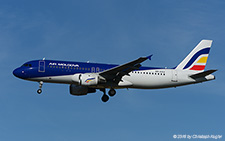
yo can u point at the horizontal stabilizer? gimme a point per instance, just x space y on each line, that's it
202 74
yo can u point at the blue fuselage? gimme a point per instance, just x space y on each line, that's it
47 68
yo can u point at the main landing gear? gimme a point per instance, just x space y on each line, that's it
105 97
39 91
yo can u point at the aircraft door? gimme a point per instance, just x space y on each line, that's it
41 67
174 76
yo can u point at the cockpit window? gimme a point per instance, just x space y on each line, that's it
27 65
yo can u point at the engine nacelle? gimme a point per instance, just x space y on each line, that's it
87 79
80 90
77 78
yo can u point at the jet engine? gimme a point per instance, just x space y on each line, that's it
80 90
87 79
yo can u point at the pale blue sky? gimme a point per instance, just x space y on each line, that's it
109 31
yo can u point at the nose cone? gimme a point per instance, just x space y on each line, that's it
19 73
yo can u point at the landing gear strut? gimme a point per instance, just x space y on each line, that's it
39 91
105 97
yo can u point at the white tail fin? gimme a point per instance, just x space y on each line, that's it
196 60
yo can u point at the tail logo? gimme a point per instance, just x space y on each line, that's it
197 58
198 61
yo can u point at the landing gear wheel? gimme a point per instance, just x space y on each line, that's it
112 92
39 91
105 98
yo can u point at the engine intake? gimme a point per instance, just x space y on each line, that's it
80 90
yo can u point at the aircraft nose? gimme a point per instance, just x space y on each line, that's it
19 73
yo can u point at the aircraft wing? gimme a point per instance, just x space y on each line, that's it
115 74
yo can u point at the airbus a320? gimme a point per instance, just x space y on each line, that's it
85 78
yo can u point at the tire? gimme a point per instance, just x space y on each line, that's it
105 98
39 91
112 92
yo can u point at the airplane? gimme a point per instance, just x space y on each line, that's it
85 78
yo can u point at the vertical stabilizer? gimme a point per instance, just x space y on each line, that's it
196 60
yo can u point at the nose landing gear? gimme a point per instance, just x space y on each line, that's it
39 91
